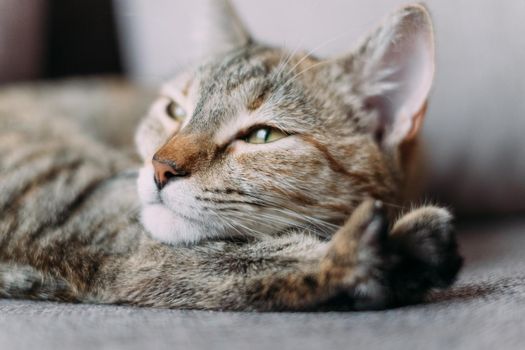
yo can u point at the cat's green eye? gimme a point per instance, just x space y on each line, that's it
264 135
175 111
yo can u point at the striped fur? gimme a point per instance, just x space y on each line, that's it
70 215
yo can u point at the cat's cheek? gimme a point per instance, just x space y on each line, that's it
166 227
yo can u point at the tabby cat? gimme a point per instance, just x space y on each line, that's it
271 181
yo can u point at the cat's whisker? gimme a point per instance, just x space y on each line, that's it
315 65
312 51
394 205
317 222
250 231
277 218
297 219
278 204
254 218
283 63
297 47
288 224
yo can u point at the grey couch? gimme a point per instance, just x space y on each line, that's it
484 309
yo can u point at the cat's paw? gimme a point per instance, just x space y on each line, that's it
426 251
376 267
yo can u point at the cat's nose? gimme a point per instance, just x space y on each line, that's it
165 171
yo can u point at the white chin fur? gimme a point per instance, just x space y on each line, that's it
165 226
162 224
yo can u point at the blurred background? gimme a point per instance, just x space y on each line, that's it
476 121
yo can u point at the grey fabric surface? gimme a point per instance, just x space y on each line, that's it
484 310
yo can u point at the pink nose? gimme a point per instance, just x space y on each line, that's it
165 171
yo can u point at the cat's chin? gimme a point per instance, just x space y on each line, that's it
163 225
160 221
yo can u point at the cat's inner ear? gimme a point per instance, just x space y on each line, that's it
218 28
393 71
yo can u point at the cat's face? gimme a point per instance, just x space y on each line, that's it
259 140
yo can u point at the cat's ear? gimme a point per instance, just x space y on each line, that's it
218 28
393 71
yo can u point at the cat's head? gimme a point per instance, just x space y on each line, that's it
258 139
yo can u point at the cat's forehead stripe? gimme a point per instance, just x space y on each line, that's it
230 87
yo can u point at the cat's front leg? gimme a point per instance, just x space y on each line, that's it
366 265
371 265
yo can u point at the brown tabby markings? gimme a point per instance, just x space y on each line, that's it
69 219
258 101
332 162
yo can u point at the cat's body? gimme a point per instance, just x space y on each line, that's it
258 219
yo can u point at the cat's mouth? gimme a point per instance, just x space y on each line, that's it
173 219
179 213
174 216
